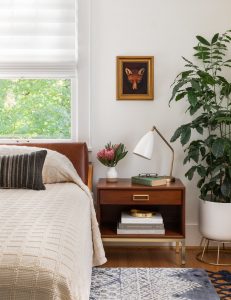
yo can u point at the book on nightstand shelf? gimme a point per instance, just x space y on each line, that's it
149 181
140 228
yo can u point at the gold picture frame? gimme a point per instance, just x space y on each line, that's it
135 77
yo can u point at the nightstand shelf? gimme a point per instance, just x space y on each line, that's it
169 200
109 231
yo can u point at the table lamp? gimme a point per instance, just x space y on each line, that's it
144 148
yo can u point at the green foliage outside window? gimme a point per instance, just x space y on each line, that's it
35 108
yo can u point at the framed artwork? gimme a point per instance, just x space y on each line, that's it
135 77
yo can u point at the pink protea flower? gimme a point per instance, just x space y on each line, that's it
109 154
101 154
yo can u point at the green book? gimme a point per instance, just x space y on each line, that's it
149 181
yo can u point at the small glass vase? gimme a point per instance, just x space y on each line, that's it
112 175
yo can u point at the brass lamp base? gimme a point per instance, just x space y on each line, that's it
169 179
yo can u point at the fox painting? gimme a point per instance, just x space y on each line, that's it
135 77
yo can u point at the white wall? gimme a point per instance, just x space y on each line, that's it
167 30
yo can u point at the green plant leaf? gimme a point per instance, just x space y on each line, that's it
221 45
215 38
216 169
186 159
226 187
200 182
204 191
188 61
190 172
176 88
195 155
201 170
193 151
202 55
185 135
226 120
217 57
176 135
201 48
199 129
202 151
202 40
195 85
194 109
185 74
192 98
180 96
230 172
218 147
207 78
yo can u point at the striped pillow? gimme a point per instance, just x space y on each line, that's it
23 171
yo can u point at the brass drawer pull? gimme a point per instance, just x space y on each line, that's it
140 198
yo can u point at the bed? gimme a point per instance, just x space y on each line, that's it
49 239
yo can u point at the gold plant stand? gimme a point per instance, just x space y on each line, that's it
219 250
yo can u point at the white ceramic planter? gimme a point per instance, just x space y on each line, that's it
112 175
215 220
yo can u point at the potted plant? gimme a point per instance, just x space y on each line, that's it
110 156
208 94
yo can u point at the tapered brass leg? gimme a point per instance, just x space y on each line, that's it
177 247
202 240
205 246
183 258
218 253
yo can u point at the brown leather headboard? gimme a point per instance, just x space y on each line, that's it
76 152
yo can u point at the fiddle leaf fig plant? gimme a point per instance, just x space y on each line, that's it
208 94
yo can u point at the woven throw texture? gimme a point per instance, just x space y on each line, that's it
46 247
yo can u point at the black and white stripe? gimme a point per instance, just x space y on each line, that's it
22 171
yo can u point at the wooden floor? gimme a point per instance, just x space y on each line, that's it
159 258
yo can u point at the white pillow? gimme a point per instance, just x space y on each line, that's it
56 167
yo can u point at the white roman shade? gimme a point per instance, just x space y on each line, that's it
38 37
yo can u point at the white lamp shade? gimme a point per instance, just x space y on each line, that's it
144 147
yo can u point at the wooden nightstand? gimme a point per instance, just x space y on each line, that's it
169 200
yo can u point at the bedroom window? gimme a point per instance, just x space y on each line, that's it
38 70
35 108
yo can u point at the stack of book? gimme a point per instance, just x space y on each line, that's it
149 181
136 225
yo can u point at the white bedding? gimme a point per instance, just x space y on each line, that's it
49 241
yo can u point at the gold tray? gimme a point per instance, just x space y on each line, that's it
141 213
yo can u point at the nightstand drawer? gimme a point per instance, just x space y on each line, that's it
141 197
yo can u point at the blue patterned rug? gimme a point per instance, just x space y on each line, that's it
151 284
222 283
